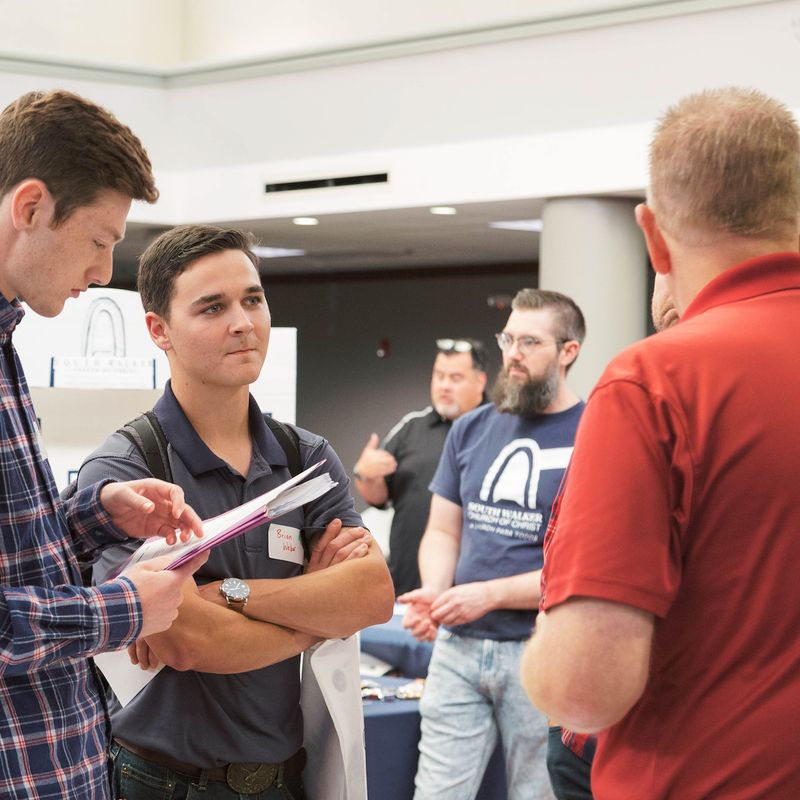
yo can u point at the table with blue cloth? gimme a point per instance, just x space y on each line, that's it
392 727
391 732
392 643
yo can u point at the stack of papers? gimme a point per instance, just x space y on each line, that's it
128 680
216 530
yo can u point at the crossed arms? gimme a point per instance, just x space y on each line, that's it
346 587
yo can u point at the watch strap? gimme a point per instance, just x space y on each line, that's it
236 605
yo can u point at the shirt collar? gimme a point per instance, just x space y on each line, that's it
434 418
10 315
776 272
194 452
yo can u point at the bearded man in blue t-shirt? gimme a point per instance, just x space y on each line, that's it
481 557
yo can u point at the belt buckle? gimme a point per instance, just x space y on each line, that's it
251 778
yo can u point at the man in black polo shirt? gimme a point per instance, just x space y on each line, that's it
402 468
224 714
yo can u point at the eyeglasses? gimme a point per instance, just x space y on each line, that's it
525 344
457 345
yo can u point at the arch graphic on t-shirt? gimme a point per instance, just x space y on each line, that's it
515 472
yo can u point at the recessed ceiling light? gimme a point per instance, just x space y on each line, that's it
444 211
262 251
305 221
529 225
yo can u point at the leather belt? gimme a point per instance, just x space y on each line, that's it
246 778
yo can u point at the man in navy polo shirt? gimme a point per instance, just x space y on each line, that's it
224 713
481 557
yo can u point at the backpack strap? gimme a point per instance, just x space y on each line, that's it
148 437
288 440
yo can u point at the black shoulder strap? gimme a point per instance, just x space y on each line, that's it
147 435
290 442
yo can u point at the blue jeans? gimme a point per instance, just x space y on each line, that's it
472 695
134 778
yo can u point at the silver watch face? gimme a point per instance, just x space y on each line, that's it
235 589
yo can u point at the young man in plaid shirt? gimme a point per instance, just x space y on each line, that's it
68 173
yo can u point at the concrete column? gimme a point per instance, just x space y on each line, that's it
593 251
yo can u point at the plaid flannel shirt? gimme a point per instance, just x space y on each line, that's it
53 724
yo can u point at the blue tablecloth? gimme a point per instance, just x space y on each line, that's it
393 644
392 737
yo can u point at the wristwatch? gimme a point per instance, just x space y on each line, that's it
236 592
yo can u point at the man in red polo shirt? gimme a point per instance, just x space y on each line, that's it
670 583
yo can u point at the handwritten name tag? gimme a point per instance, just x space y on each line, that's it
285 544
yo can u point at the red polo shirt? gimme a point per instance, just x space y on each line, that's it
683 499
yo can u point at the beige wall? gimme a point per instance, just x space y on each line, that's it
160 34
140 33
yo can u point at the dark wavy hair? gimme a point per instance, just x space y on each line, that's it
176 250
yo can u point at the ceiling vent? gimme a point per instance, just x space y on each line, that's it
324 183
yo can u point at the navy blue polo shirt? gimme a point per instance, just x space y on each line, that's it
199 718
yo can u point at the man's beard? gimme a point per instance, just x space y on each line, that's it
450 410
526 398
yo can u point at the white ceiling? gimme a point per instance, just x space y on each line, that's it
452 118
393 239
406 238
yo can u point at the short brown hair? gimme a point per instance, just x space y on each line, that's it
569 322
75 147
726 161
175 251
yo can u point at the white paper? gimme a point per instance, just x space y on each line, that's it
285 543
274 503
125 678
333 722
333 715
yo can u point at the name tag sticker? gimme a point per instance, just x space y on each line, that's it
285 543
